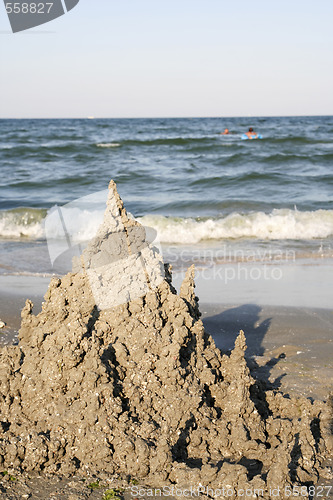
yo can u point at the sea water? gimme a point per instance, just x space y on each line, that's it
212 199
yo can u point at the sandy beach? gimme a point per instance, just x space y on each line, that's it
289 347
14 291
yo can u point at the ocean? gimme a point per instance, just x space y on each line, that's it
210 198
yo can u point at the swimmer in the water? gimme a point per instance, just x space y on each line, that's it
252 134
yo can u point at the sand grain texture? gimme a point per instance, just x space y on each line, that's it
140 389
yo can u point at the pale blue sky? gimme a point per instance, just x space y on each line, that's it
138 58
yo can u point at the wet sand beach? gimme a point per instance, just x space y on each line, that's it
14 291
289 347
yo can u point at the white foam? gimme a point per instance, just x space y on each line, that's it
22 224
280 224
75 224
82 221
80 224
108 145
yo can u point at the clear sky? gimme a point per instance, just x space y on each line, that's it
148 58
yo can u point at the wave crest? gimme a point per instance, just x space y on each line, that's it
108 145
280 224
22 223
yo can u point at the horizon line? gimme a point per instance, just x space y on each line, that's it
160 117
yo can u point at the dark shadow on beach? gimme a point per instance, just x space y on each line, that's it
225 326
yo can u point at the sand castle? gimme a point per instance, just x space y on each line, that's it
116 374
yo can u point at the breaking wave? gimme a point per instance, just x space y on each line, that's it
22 223
280 224
81 224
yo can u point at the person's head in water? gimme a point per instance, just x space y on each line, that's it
226 131
251 134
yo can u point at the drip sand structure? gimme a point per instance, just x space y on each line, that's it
116 374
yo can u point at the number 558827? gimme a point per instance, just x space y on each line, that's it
28 8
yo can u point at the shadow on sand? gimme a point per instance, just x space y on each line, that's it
225 326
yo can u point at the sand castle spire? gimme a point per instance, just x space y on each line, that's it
187 291
119 262
114 197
